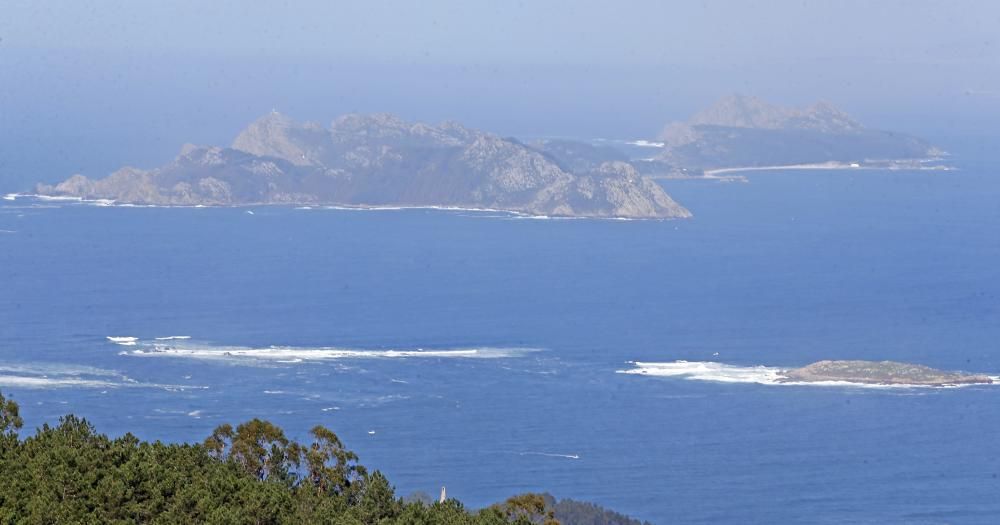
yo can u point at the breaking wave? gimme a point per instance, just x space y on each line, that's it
487 213
51 375
45 382
645 144
183 347
59 198
374 207
73 200
761 375
708 371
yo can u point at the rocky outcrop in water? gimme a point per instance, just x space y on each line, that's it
382 160
882 373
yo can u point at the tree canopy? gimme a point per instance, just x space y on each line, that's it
248 474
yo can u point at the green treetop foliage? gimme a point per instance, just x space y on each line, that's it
250 474
527 508
10 419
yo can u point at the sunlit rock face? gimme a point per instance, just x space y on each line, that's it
382 160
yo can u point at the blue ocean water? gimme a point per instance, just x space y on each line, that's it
790 268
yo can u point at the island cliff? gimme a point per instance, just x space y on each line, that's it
382 160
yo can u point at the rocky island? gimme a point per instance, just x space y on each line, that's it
881 373
381 160
746 132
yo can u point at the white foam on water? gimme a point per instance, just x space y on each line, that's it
10 196
54 375
762 375
32 382
186 349
482 212
95 202
110 202
427 207
174 412
56 370
645 143
172 337
56 198
708 371
522 217
531 217
123 340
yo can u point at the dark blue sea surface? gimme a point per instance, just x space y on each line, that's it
787 269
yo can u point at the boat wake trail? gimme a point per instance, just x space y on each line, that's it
550 455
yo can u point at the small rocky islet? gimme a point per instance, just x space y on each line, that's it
881 373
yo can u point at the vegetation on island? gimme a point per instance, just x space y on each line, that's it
248 474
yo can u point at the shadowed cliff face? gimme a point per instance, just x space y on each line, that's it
382 160
741 131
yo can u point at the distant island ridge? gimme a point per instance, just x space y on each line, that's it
744 133
381 160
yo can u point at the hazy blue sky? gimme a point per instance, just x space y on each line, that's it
579 32
91 85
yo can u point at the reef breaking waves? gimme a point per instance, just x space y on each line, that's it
761 375
51 375
186 349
